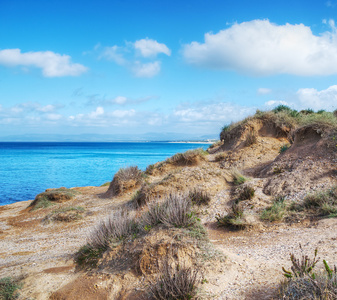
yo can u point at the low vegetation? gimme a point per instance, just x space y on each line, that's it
235 218
247 192
220 156
175 211
65 214
175 283
288 119
113 230
53 196
9 289
199 197
303 282
251 137
188 158
125 179
237 177
276 211
322 203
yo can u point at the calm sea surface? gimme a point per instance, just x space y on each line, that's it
27 169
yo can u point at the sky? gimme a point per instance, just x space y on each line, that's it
159 66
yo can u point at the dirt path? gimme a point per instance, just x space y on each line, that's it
254 259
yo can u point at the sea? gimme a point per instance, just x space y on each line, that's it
29 168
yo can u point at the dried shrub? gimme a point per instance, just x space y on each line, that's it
247 192
188 158
125 179
177 211
149 169
50 197
234 219
114 229
199 197
303 283
251 137
175 283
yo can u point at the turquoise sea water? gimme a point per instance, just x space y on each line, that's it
27 169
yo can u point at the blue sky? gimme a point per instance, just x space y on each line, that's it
119 67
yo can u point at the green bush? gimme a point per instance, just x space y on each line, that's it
284 148
9 289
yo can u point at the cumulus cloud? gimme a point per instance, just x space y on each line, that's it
52 64
260 47
146 69
315 99
151 48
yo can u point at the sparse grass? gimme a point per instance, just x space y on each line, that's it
276 211
219 156
65 214
284 148
9 289
251 137
49 198
106 184
199 197
303 283
278 170
234 219
188 158
237 177
175 283
247 192
323 202
149 169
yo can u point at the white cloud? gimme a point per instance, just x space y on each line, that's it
47 108
54 117
151 48
146 69
120 100
219 113
259 47
273 103
114 53
98 112
122 113
52 64
126 56
263 91
314 99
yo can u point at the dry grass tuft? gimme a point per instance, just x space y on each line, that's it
251 138
199 197
175 283
125 179
50 197
188 158
237 176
